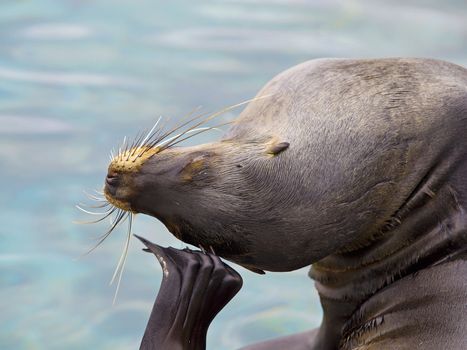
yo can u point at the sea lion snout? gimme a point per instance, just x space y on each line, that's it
119 183
153 185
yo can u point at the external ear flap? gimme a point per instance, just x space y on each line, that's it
278 148
193 167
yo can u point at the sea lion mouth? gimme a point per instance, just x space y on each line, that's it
110 193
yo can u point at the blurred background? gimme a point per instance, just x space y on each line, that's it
78 75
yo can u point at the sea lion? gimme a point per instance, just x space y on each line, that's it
355 166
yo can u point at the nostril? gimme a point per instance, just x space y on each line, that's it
111 179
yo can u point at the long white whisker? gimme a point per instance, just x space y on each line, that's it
109 231
92 212
120 260
91 196
95 221
124 146
175 142
112 220
220 112
178 135
125 217
83 205
183 122
150 132
124 255
97 199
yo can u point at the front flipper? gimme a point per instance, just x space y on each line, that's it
195 287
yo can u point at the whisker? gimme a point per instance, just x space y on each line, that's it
120 215
121 263
150 132
92 212
120 211
95 221
113 219
155 141
178 135
196 133
161 140
91 196
97 199
157 133
127 144
145 145
123 148
94 206
150 141
169 132
120 221
135 141
218 113
138 141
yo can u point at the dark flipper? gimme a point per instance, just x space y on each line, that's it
195 287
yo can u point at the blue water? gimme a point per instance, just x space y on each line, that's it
78 75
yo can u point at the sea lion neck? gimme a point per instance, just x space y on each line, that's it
429 228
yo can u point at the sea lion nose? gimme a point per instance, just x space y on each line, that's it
111 182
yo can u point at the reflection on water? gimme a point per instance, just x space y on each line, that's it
78 75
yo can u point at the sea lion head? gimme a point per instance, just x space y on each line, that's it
200 193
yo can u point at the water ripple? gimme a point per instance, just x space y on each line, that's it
57 31
258 40
64 78
15 124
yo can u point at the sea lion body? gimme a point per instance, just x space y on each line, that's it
394 132
357 166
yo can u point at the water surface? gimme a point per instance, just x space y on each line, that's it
78 75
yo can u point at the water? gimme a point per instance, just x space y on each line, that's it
78 75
